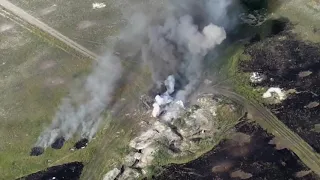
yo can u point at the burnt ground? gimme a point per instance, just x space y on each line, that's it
70 171
248 155
58 143
282 58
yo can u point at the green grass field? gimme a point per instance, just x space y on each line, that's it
36 72
29 96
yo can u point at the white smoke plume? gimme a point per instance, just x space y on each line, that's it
166 103
84 118
178 44
196 45
165 98
172 37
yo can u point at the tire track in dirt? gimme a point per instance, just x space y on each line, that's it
273 125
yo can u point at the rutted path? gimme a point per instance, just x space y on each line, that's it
273 125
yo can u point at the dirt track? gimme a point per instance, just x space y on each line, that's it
269 122
17 14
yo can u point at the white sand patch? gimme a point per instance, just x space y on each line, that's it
256 77
274 92
5 27
98 5
48 10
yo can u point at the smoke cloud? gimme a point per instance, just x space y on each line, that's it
171 37
174 36
80 112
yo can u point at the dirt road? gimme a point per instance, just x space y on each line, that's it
18 15
273 125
